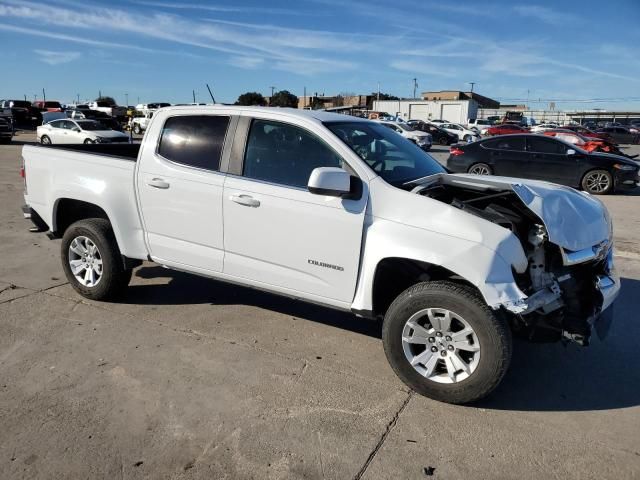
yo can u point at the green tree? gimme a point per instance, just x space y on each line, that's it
284 98
251 98
104 98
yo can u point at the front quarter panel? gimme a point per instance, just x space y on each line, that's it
424 230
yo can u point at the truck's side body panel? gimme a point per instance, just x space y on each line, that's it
107 182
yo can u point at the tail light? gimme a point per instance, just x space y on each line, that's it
23 174
455 151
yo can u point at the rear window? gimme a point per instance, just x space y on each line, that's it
508 143
52 104
195 141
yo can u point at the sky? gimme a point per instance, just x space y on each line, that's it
580 54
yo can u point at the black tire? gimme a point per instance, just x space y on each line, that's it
88 141
466 138
45 140
115 277
477 167
588 185
443 141
136 129
491 329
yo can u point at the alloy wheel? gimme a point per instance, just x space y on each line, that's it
597 182
440 345
85 261
479 170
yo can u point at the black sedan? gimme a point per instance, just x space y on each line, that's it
544 158
438 134
620 134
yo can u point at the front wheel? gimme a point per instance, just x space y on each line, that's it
444 342
136 129
45 140
92 261
597 182
443 141
467 138
88 141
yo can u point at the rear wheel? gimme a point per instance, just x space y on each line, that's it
136 129
443 141
45 140
92 261
467 138
480 169
444 342
597 182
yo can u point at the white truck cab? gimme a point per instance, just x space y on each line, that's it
342 212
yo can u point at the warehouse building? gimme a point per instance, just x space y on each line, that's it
450 105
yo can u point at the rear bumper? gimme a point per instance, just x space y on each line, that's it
38 222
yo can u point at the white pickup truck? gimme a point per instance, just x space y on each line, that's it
342 212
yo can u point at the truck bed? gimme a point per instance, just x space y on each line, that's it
126 151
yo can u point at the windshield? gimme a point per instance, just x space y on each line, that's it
394 158
405 127
92 126
52 104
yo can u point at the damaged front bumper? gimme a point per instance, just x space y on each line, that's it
579 300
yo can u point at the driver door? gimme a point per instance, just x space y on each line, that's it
276 232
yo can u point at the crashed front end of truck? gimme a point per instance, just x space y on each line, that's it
569 283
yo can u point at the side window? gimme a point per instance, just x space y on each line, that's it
509 143
543 145
56 124
285 154
194 140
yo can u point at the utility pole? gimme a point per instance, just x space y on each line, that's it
77 98
528 108
378 97
304 104
415 87
472 84
99 93
44 95
194 95
272 89
25 97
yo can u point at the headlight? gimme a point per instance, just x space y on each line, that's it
622 166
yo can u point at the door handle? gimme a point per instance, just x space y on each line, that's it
246 200
158 183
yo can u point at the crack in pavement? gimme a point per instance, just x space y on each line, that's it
390 426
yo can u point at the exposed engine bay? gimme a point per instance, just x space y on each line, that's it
563 286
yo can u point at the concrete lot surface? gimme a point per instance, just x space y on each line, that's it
191 378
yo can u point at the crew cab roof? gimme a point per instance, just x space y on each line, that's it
319 115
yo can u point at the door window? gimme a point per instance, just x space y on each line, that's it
284 154
194 140
508 143
545 145
57 124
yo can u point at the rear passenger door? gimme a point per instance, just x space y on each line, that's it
507 156
277 233
180 191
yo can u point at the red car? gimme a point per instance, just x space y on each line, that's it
506 128
588 133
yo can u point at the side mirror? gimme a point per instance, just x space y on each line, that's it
571 151
331 181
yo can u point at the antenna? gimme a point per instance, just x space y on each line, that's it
213 99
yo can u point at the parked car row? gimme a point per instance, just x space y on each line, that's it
542 157
68 131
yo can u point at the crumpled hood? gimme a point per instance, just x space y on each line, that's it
574 220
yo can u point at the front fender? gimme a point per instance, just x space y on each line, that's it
491 271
